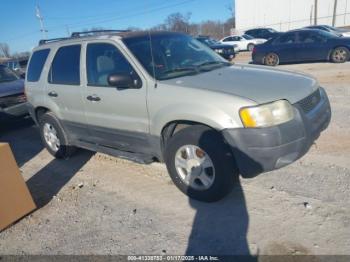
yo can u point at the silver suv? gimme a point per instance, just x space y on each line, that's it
166 97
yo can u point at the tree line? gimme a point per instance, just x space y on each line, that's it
177 22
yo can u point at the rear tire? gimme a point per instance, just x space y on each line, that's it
200 164
340 55
53 136
271 59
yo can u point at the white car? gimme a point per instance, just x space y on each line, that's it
244 42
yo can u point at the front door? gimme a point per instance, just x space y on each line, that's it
311 46
117 118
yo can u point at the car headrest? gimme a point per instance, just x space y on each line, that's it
104 64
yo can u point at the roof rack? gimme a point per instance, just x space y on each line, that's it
45 41
96 32
81 34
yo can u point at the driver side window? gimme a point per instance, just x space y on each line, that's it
102 60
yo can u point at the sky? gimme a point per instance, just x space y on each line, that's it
20 28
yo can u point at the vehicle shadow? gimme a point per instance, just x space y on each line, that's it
220 229
47 182
23 137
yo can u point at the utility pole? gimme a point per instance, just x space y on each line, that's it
316 9
41 21
335 12
346 10
311 13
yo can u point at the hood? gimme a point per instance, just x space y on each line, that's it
12 88
222 46
256 83
342 40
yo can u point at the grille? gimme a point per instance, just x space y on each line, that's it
310 102
9 101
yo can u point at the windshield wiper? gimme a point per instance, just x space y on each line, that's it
213 63
180 69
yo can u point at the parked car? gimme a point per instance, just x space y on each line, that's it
18 65
226 51
12 98
165 96
265 33
303 45
244 42
331 29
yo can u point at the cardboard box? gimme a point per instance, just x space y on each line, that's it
15 198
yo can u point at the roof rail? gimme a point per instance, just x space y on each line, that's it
80 34
45 41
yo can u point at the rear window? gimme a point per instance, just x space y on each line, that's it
65 68
36 65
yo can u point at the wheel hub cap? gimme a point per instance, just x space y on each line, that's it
194 167
50 136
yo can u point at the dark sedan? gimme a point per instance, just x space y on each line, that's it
226 51
304 45
12 97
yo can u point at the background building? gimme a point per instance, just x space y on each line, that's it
285 15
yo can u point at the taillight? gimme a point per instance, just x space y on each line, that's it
254 50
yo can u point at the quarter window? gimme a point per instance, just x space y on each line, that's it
102 60
65 68
36 65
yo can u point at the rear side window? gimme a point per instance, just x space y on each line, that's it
36 65
65 68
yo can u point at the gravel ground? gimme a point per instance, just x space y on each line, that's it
96 204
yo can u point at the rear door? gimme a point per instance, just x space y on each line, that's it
64 90
117 118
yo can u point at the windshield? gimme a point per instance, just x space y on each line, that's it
6 75
331 28
329 34
248 37
174 55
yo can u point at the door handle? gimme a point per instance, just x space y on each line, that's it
53 94
93 98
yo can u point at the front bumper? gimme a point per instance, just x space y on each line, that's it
14 111
259 150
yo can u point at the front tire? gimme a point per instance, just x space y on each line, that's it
340 55
53 136
250 47
271 59
200 164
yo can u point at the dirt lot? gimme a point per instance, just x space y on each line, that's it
96 204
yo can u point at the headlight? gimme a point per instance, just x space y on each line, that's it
267 115
219 51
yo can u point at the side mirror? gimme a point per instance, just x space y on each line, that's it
124 81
